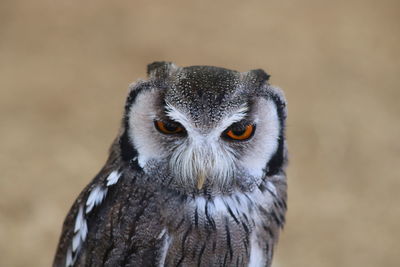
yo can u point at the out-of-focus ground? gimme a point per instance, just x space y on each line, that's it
64 71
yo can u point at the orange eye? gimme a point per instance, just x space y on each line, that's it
240 133
169 127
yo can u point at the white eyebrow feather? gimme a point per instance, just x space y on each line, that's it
176 115
180 117
239 115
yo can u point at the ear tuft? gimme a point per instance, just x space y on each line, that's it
259 76
160 69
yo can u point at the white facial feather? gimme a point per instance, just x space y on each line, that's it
265 139
203 153
141 118
202 157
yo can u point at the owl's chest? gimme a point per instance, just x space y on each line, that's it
223 231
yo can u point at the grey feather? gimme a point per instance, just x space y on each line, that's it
193 195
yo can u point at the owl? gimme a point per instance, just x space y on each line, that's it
195 177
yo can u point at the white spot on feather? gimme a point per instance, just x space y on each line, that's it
79 220
69 261
113 178
95 198
76 241
80 230
165 246
257 257
162 233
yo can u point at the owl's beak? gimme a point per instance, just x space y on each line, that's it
201 178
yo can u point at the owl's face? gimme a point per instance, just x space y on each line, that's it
206 128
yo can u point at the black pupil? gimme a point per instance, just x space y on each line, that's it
238 130
171 127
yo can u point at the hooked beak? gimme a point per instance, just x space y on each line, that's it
201 178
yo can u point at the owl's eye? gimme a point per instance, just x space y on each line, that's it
239 132
169 127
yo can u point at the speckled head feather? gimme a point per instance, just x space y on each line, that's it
196 175
210 89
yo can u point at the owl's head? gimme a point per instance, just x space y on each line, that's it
205 129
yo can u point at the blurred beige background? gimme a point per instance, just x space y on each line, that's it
65 67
